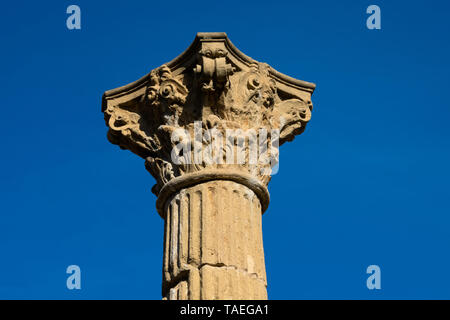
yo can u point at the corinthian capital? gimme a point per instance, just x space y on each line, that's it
192 116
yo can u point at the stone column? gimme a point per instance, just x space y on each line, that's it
213 243
208 125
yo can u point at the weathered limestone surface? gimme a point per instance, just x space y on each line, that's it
212 205
213 233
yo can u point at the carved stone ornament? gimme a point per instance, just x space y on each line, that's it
212 82
186 118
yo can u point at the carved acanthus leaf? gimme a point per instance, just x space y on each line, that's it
210 87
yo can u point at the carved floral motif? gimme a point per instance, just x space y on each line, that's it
212 88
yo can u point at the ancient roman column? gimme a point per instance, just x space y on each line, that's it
208 125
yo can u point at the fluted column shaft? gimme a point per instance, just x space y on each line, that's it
213 246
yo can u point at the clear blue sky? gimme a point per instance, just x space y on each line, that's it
367 183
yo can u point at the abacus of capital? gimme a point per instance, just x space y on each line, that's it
213 246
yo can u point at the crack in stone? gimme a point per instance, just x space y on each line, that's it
252 275
183 275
